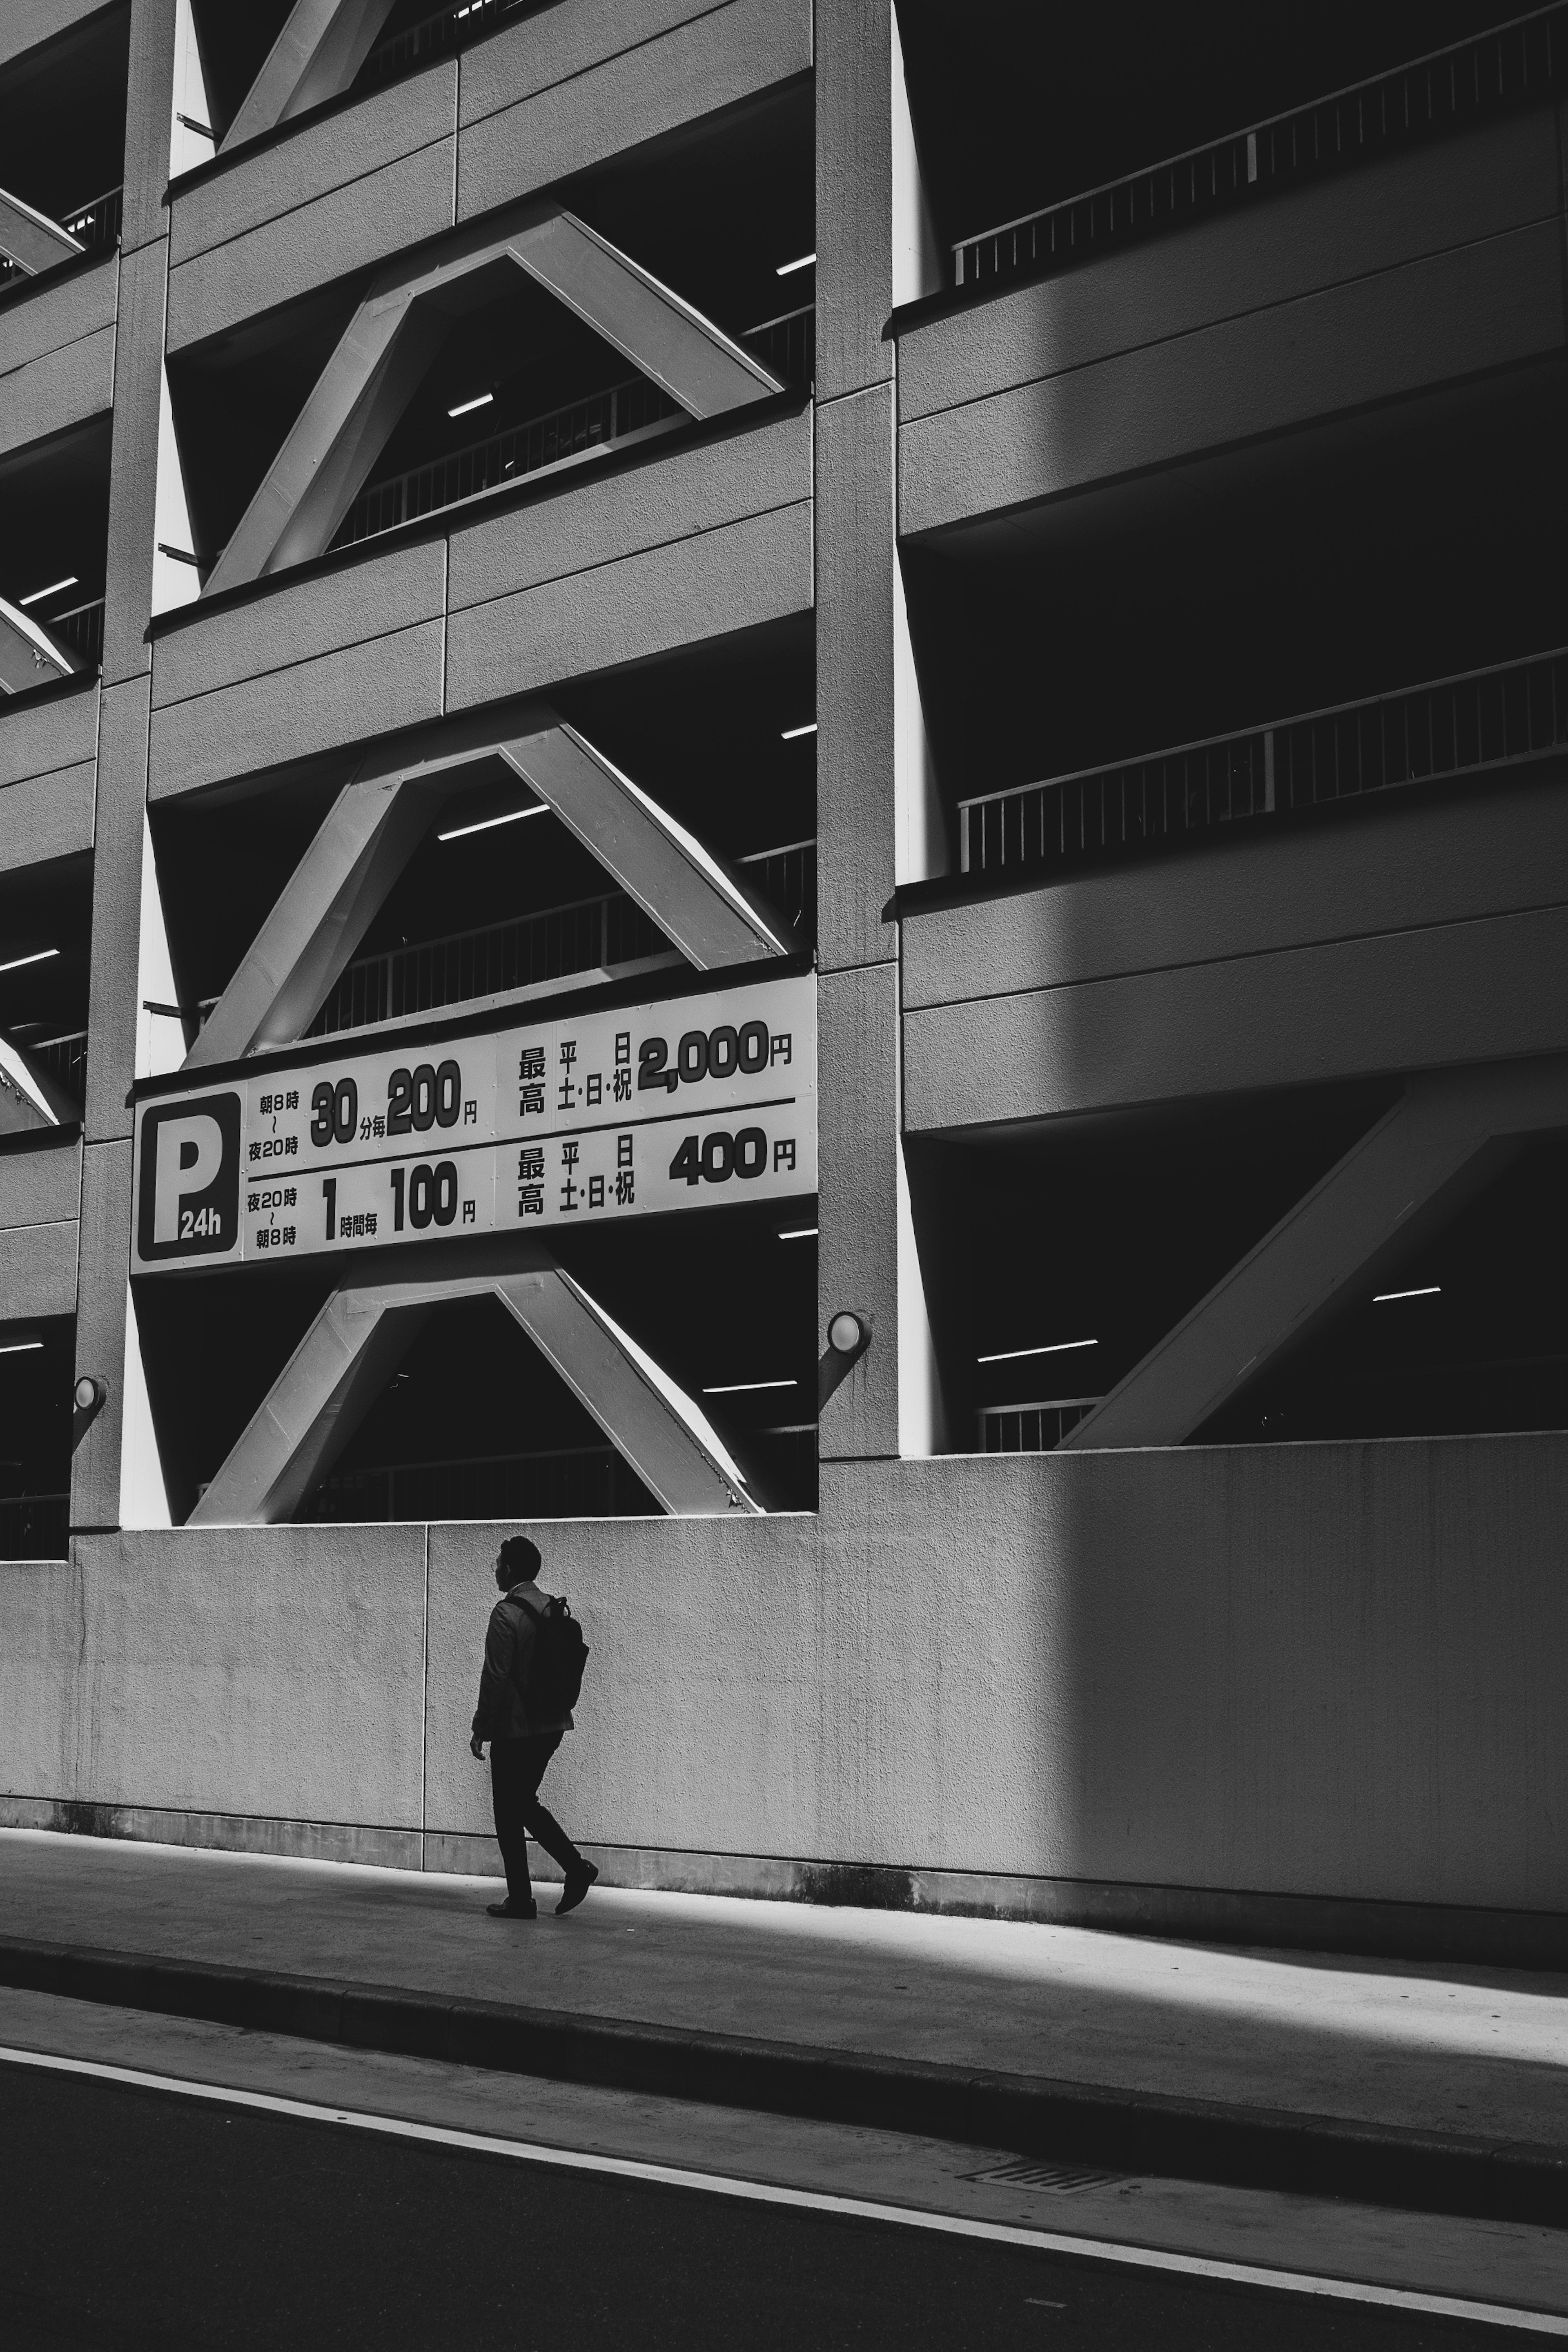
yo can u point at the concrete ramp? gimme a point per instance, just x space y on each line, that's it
1439 1146
351 1351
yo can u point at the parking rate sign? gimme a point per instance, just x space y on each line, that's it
692 1103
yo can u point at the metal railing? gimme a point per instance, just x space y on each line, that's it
35 1526
82 630
1445 92
64 1059
1471 725
787 878
572 1482
1030 1428
587 936
619 415
787 346
437 35
95 228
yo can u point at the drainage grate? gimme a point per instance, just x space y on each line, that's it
1066 2180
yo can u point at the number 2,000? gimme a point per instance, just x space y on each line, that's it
719 1156
432 1195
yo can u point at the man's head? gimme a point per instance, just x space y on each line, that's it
516 1562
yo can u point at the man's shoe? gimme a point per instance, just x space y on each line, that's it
577 1882
510 1910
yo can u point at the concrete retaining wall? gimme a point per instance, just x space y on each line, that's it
1328 1671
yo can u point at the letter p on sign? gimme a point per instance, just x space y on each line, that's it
187 1180
190 1154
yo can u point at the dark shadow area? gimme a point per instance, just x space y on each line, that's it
46 937
36 1367
235 399
1481 1345
62 128
1054 1261
54 496
729 1311
474 1422
1016 106
703 733
714 209
212 1346
518 385
1402 546
233 44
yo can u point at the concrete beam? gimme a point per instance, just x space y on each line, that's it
30 240
321 48
370 377
379 820
28 655
1444 1138
351 1350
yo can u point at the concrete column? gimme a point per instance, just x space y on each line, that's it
121 816
873 787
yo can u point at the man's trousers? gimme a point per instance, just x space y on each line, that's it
517 1767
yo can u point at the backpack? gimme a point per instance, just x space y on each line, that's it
559 1656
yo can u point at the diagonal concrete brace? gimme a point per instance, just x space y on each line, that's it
689 892
355 1343
357 400
1438 1147
30 240
378 821
320 48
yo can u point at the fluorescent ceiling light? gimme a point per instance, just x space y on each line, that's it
53 589
800 1234
790 734
466 407
742 1387
513 816
16 962
1057 1347
788 269
18 1347
1386 1297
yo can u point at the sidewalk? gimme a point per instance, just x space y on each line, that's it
1447 2087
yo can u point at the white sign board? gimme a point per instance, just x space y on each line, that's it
693 1102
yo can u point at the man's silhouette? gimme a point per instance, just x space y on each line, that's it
522 1740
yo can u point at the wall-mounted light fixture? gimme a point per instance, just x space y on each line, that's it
849 1337
88 1398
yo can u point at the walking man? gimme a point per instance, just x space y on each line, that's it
522 1739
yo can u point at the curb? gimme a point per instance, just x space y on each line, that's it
1035 2116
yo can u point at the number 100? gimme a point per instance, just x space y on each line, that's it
432 1195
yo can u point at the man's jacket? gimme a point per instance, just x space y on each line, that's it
502 1712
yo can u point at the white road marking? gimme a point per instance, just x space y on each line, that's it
812 2200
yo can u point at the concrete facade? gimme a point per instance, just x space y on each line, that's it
1223 1674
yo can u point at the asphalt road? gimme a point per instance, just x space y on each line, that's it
136 2217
